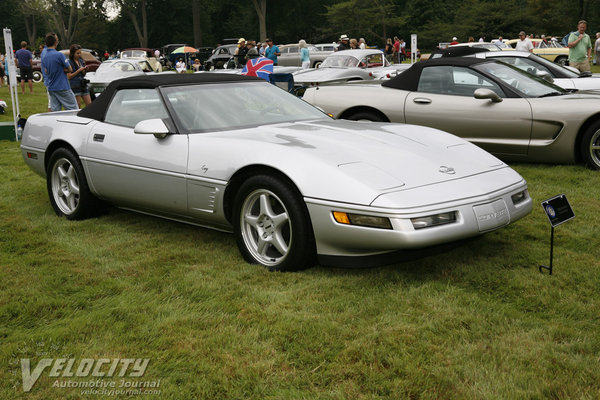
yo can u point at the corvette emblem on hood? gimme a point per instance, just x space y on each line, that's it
447 170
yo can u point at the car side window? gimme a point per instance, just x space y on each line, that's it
457 81
130 106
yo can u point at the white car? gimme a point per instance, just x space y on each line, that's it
111 70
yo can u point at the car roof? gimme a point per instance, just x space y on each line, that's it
409 79
97 108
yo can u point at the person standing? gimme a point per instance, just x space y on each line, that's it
1 69
389 50
304 54
596 48
272 51
396 46
362 44
55 66
454 41
23 57
580 48
77 77
344 39
524 44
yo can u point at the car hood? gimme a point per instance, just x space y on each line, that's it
328 74
359 160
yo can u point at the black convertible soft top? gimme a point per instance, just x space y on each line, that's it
409 79
97 109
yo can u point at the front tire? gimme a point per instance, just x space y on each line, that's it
590 146
366 116
67 186
37 76
271 225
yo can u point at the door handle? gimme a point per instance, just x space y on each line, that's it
421 100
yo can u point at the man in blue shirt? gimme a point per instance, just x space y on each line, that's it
23 58
54 67
272 51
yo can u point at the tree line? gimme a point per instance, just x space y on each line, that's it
118 24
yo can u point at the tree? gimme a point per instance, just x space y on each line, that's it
261 11
135 9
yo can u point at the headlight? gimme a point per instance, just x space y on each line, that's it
518 197
434 220
369 221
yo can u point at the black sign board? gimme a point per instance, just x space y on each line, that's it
558 210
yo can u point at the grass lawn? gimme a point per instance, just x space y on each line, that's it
478 322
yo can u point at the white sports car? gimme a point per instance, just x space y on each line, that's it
238 154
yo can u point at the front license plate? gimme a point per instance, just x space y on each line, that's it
491 215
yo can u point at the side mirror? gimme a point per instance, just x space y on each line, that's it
154 127
545 75
483 94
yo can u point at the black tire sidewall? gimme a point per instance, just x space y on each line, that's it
302 249
365 115
87 205
585 146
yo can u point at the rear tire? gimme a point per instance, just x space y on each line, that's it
272 226
562 61
366 116
67 186
590 146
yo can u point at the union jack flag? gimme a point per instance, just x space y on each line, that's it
261 67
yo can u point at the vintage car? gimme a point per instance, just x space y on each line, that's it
220 57
349 65
502 109
290 182
90 61
142 53
551 50
111 70
290 55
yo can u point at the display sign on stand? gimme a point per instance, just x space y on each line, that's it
558 210
12 77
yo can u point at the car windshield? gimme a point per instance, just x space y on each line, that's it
521 82
534 63
339 61
224 106
133 54
119 65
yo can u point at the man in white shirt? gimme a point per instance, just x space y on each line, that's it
524 44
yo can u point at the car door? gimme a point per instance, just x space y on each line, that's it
133 170
444 100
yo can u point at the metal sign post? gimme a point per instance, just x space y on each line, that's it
12 77
558 210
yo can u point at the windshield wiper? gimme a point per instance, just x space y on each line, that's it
552 94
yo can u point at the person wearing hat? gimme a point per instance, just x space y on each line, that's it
240 53
524 44
272 51
251 52
454 41
343 43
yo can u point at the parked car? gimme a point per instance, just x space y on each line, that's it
461 47
90 61
348 65
141 53
290 55
500 108
118 68
551 50
220 57
291 183
565 77
326 46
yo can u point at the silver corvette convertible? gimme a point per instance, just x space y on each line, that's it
502 109
238 154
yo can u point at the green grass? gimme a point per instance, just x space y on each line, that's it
478 322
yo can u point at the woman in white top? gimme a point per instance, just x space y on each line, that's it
180 66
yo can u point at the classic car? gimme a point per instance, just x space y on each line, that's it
90 61
145 54
502 109
349 65
111 70
461 47
291 183
551 50
220 57
565 77
290 55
